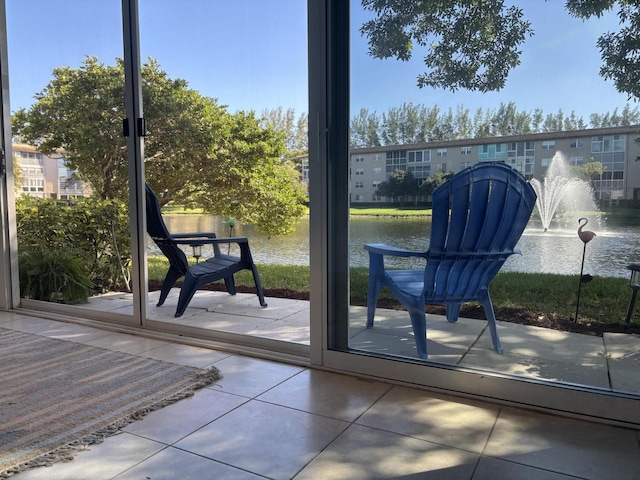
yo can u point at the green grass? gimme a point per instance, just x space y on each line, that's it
603 300
391 211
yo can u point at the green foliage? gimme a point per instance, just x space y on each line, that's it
54 276
96 232
619 50
589 171
195 150
434 181
418 123
401 186
471 45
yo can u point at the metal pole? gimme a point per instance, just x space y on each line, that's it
584 251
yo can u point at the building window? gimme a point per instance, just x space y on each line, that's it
608 143
493 151
576 161
465 150
441 152
464 165
359 184
359 159
549 145
376 183
419 156
441 167
545 162
377 170
358 198
359 171
576 143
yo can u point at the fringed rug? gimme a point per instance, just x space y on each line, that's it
58 397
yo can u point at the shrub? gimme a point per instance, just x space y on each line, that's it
54 276
93 231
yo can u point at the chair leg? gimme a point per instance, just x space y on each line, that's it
256 280
169 281
376 275
230 283
419 324
453 311
189 287
491 319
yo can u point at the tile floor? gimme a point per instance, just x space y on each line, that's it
611 362
267 420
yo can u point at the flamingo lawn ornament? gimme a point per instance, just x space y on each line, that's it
586 236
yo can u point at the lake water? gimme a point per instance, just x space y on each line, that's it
554 251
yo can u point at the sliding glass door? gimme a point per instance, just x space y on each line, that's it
70 157
541 368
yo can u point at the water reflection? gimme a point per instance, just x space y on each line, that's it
554 251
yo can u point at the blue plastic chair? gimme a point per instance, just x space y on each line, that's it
218 267
478 217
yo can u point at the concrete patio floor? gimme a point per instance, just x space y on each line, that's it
611 362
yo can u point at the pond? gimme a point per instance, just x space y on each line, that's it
554 251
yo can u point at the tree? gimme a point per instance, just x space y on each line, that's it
472 44
401 186
195 149
588 171
434 181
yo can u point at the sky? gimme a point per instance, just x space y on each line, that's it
252 55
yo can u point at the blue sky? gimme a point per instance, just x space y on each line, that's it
252 54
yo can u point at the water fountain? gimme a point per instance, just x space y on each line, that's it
560 191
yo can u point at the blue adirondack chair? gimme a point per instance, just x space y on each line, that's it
478 217
218 267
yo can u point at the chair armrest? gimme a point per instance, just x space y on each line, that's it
382 249
208 240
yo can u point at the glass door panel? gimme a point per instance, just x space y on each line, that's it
225 99
401 131
70 156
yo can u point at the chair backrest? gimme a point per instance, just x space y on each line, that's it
159 233
478 218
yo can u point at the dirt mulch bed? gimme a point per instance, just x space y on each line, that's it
513 315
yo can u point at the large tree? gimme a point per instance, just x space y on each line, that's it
473 44
195 149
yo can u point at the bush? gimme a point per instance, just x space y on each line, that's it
89 231
54 276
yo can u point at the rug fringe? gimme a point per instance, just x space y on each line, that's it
66 453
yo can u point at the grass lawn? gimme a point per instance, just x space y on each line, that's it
604 300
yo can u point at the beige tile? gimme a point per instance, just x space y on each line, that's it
28 324
492 469
264 439
595 374
371 340
278 308
132 344
74 333
185 355
529 341
174 464
251 377
367 453
176 421
99 462
444 420
566 446
337 396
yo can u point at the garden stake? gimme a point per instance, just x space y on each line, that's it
586 236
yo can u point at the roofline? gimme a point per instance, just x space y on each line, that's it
633 129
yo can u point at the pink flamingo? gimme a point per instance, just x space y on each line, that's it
587 235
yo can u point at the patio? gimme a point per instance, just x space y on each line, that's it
610 362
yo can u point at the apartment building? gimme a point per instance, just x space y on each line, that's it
614 147
46 176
